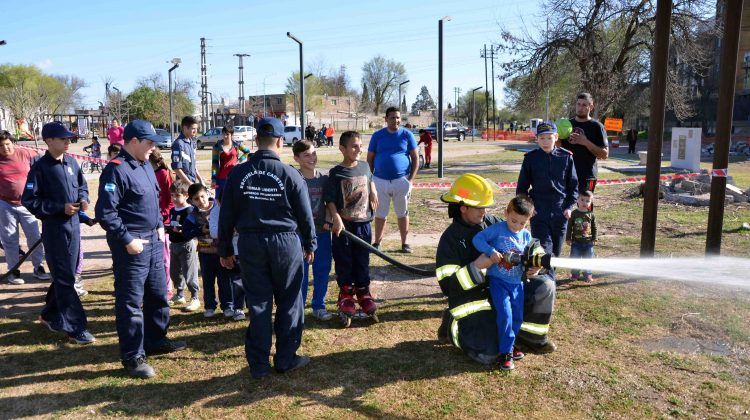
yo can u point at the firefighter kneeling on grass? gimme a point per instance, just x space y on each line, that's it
469 321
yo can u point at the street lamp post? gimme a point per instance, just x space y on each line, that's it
473 113
439 128
399 92
176 62
301 80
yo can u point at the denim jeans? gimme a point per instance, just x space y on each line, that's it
321 269
583 249
10 218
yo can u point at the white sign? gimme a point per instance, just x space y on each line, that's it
686 148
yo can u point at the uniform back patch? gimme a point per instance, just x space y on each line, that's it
109 187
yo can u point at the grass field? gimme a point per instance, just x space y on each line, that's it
627 347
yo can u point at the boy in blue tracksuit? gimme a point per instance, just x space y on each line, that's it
506 288
55 192
548 176
268 204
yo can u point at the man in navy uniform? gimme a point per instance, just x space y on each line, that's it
183 152
55 191
267 203
128 210
550 173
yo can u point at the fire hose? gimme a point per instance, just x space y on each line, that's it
527 258
22 259
414 270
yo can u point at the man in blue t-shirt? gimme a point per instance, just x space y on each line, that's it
394 160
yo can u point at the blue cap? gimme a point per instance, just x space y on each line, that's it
546 127
140 129
270 127
56 129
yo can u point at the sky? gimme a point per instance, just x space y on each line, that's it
127 41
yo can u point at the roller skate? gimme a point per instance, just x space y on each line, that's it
367 303
346 305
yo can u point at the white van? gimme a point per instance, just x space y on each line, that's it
292 134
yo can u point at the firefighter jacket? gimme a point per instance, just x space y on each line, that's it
473 327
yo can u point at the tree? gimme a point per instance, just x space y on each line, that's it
365 101
382 77
150 100
313 91
33 96
479 108
528 99
423 101
610 45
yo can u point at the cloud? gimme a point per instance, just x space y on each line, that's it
45 64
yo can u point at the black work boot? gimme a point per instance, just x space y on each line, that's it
138 368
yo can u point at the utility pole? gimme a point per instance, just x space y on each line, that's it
241 97
486 93
458 104
204 87
494 117
473 113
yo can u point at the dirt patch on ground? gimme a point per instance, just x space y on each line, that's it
690 335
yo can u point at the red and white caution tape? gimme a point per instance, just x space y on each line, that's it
721 173
73 155
635 180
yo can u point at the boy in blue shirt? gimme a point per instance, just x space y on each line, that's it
506 287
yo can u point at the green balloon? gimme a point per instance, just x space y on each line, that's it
564 128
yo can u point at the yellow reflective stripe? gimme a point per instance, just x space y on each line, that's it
538 329
446 271
454 333
464 278
469 308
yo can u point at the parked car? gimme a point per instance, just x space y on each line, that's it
209 138
292 134
166 139
451 129
243 133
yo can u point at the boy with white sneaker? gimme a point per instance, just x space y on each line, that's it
183 263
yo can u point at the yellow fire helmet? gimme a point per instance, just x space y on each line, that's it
471 190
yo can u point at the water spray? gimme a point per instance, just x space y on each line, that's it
727 271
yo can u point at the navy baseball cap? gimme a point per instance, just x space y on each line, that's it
546 127
270 127
140 129
56 129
